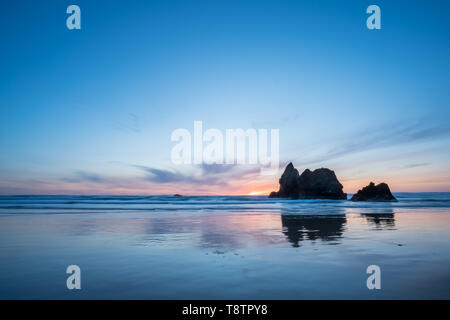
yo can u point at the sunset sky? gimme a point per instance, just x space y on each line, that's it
91 111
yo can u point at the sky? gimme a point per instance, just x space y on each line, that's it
92 111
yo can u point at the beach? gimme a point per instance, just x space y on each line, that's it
230 247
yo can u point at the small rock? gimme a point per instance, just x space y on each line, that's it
372 192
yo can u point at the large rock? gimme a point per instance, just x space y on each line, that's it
374 192
318 184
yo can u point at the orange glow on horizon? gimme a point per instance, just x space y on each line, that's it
253 186
257 193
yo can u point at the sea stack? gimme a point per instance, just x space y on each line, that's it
372 192
318 184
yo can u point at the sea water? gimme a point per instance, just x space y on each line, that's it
234 247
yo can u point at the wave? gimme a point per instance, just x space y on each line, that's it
82 203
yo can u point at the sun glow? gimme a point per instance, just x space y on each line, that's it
256 193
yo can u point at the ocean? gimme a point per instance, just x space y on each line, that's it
224 247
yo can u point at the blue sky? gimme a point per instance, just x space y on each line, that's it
92 110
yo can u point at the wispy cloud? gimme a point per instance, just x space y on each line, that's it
205 174
416 165
216 168
387 136
130 124
381 137
174 176
84 176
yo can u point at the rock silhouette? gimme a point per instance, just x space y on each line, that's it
318 184
372 192
298 228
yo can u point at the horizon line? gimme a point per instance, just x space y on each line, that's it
186 195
